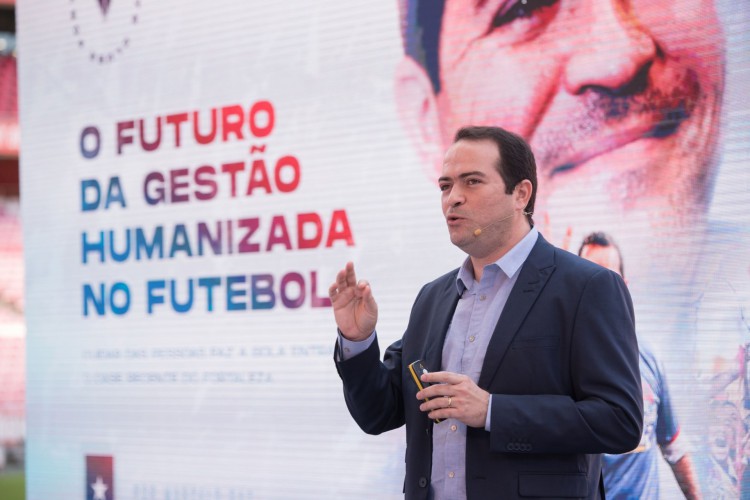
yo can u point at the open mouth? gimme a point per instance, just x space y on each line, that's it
453 219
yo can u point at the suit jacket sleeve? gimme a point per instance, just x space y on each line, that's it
372 390
599 408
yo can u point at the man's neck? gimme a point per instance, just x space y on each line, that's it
479 261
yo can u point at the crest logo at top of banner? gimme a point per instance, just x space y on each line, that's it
102 28
100 481
104 4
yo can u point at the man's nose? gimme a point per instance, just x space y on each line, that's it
455 197
614 55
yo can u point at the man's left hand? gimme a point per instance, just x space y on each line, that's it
454 396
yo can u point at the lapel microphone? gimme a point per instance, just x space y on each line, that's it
479 230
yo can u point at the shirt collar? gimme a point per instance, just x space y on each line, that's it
509 263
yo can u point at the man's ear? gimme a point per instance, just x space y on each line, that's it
417 108
522 192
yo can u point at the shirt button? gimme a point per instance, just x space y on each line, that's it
471 338
453 427
451 474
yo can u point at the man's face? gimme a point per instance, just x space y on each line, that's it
619 100
473 197
718 440
607 257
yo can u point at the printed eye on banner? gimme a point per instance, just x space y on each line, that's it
103 29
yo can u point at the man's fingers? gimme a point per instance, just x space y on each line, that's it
364 290
439 402
341 279
350 275
332 290
436 391
443 378
344 279
469 408
444 384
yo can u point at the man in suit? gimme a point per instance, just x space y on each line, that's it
532 350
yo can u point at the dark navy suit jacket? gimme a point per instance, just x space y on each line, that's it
562 368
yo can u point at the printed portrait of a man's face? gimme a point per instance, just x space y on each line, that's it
620 101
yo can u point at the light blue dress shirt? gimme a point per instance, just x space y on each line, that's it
469 333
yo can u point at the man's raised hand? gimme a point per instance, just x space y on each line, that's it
354 307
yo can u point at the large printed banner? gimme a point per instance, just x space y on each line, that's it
194 174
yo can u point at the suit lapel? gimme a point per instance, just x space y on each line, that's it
531 281
443 314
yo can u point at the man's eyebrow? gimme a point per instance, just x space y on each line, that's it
463 175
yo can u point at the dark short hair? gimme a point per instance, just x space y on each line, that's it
421 21
516 161
602 239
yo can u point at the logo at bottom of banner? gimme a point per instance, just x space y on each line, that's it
100 480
